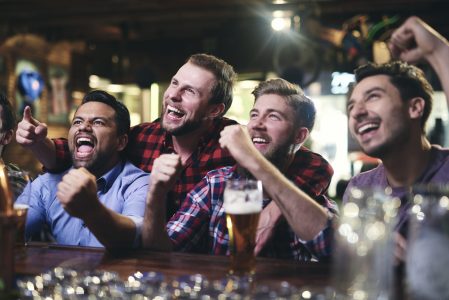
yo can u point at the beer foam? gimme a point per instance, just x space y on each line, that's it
241 208
242 202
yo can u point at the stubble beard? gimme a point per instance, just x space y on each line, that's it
279 156
186 128
94 165
399 137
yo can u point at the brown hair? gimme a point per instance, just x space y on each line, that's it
224 75
302 106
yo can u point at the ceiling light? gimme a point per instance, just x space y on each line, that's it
279 23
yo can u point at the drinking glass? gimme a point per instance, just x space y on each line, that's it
242 205
18 179
20 211
427 259
363 257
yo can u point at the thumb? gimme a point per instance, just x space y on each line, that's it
27 116
411 56
41 129
257 249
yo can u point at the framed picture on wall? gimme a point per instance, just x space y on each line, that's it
58 94
30 87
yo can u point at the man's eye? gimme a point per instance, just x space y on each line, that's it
191 91
98 122
372 96
76 122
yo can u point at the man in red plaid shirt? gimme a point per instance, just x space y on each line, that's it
280 122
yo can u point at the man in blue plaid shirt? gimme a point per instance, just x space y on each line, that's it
280 122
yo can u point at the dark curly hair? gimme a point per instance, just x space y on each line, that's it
408 79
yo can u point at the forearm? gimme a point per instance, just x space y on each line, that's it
306 217
45 152
154 233
113 230
439 60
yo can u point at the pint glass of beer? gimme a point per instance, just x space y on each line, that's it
242 204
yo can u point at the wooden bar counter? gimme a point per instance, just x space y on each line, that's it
37 258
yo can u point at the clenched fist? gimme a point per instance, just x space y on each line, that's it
77 193
236 139
165 171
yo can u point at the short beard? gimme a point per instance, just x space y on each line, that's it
281 157
401 137
94 166
186 128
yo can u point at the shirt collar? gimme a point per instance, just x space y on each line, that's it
107 179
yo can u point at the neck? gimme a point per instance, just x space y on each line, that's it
100 169
407 163
186 144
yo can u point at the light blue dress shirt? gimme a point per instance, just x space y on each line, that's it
123 189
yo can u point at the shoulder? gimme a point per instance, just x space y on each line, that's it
146 127
226 121
45 186
131 171
49 179
220 173
214 179
308 157
438 169
440 153
372 177
222 122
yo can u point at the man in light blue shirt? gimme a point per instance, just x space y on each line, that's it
100 201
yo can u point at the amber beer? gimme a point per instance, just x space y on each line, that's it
242 204
20 211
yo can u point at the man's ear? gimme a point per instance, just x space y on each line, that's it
215 110
122 142
301 135
7 137
416 107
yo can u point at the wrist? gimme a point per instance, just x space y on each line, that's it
95 212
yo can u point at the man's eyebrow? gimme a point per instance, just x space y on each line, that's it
277 111
270 110
374 89
365 93
253 109
93 118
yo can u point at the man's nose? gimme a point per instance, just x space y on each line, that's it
174 93
86 125
257 123
358 110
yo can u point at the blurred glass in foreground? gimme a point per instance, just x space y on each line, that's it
363 257
427 261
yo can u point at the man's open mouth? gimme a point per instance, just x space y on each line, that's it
174 112
367 127
259 140
84 146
